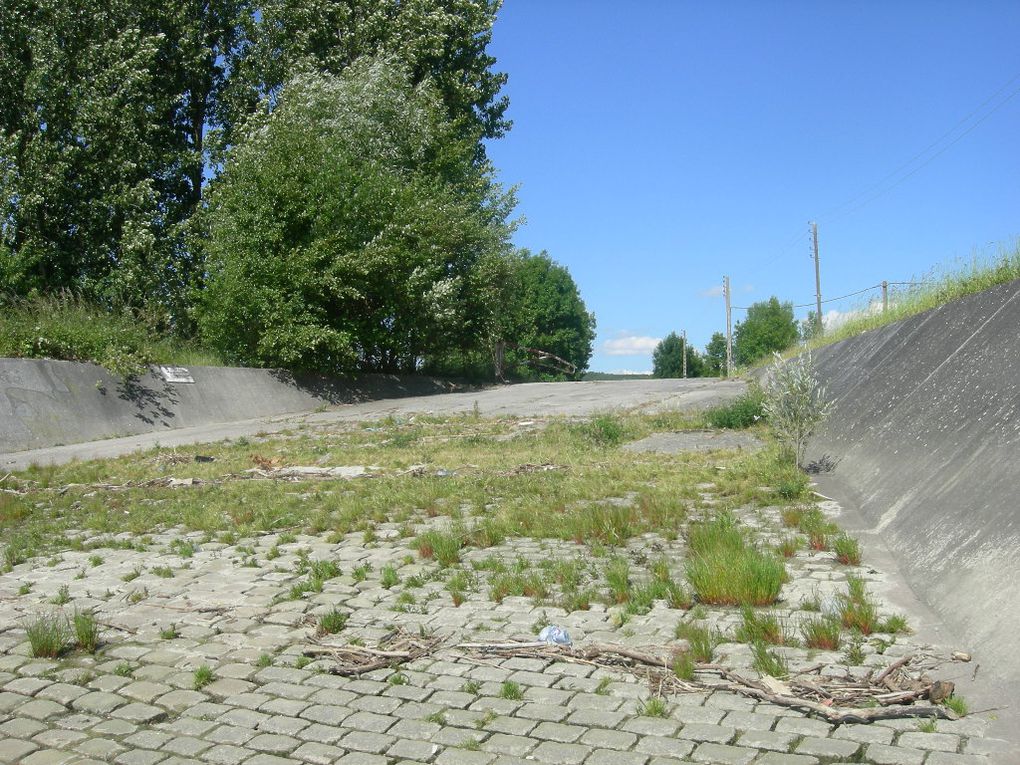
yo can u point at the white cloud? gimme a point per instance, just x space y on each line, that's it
630 372
630 345
832 318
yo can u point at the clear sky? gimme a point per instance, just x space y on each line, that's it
660 145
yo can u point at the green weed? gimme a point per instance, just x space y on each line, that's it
47 635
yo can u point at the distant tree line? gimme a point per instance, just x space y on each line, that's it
298 183
767 327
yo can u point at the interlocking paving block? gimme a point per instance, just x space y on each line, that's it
62 693
367 741
464 757
56 738
549 731
720 754
179 700
782 758
412 749
942 742
317 754
828 748
515 746
14 749
230 734
49 757
274 743
560 754
881 754
226 754
21 727
766 739
140 757
865 734
41 709
949 758
662 746
719 734
100 748
651 726
98 702
615 757
137 712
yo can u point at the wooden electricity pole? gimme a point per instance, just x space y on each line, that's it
885 296
818 280
729 327
683 334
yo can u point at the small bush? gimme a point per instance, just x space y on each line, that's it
742 412
618 580
47 635
856 609
725 570
795 404
788 546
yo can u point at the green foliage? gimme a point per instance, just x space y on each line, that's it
47 635
511 691
768 327
725 569
551 317
63 326
742 412
795 402
333 622
654 706
715 356
768 662
667 358
822 632
86 630
359 170
203 676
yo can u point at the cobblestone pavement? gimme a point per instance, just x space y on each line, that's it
174 603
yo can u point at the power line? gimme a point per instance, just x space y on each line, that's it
878 189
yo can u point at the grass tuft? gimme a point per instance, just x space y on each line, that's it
47 635
86 630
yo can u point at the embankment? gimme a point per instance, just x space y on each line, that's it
48 403
926 431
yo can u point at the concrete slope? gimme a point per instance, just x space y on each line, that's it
46 403
926 428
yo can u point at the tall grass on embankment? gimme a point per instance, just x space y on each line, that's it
68 327
943 284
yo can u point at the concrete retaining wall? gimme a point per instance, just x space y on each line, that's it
926 428
48 403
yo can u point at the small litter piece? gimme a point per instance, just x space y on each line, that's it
554 635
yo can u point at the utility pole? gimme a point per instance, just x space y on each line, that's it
885 296
683 334
729 327
818 280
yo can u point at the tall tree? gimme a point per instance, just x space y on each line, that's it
715 355
443 41
769 326
552 317
668 358
350 229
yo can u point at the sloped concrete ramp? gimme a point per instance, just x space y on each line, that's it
926 432
47 403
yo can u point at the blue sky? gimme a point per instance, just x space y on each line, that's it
660 145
